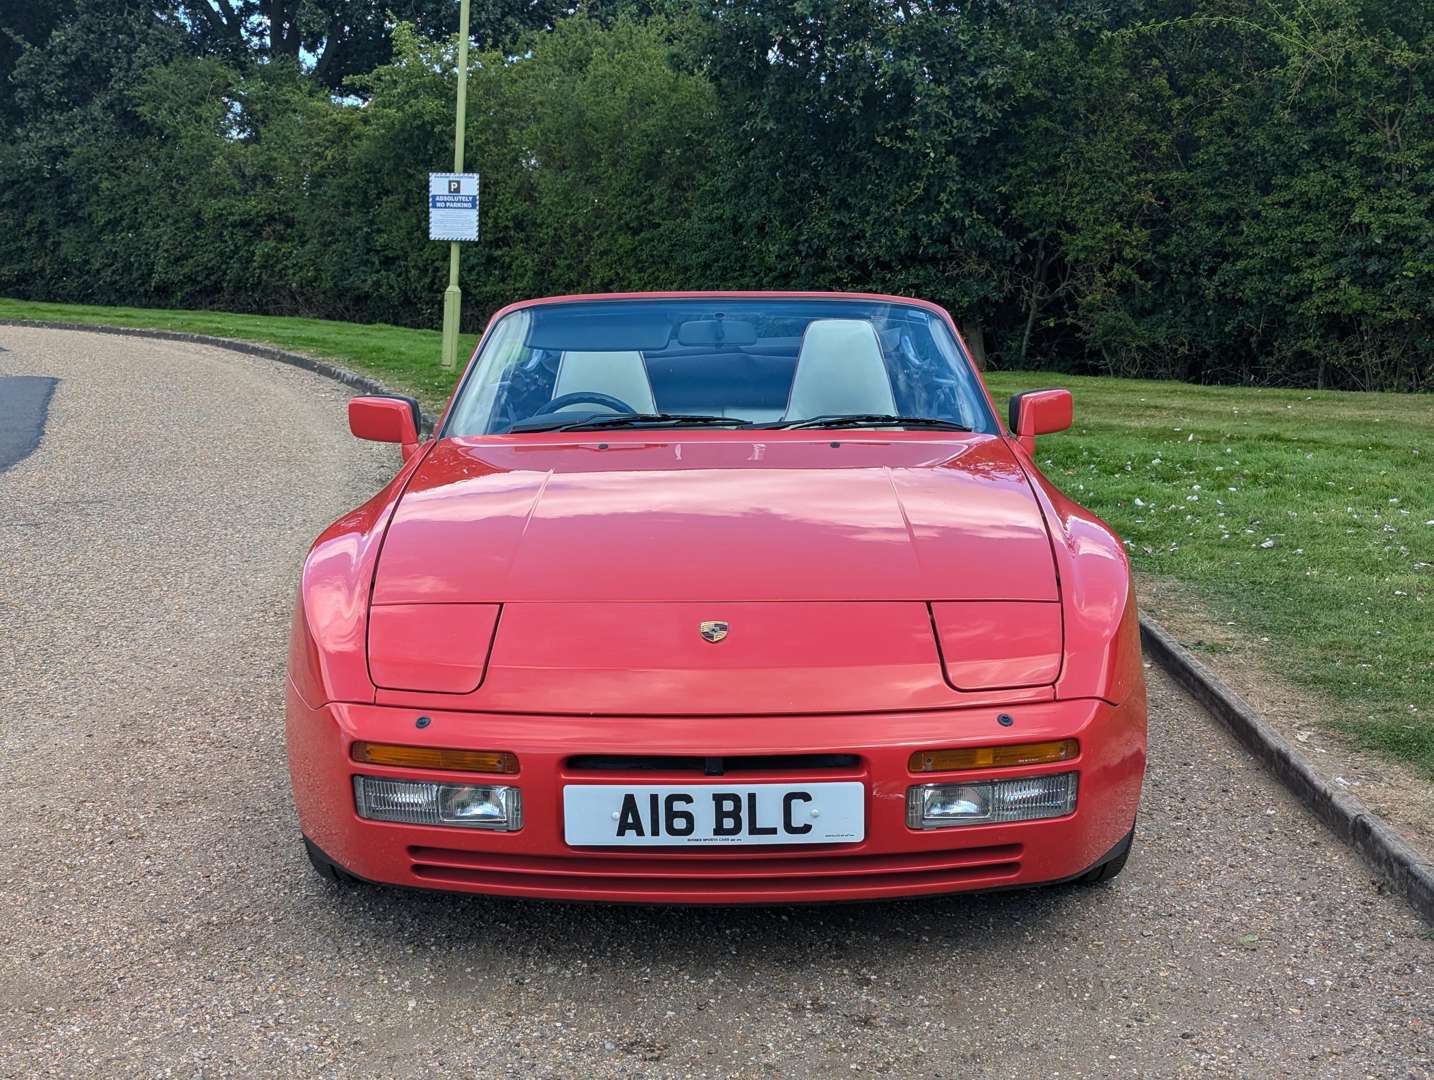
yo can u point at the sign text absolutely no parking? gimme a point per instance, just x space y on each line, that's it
453 206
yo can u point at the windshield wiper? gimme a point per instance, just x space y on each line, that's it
637 420
858 420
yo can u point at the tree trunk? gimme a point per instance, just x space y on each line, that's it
975 343
1038 281
284 36
1026 334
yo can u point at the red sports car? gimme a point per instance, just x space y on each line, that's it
717 598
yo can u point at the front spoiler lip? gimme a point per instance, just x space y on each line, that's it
1111 763
1119 849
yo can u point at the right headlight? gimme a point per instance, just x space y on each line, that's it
990 802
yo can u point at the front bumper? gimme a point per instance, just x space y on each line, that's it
892 861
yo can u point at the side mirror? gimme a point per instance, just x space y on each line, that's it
1039 412
386 419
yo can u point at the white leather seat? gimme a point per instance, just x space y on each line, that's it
622 375
839 371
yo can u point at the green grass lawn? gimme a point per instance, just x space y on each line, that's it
1303 517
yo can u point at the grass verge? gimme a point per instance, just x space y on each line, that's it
1304 518
405 359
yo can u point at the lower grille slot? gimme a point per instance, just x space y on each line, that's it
727 876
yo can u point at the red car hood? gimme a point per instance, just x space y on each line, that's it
717 516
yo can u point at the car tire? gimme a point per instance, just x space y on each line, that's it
1111 868
325 867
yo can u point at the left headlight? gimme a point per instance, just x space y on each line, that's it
421 802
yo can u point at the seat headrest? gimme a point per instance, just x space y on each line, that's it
622 375
840 370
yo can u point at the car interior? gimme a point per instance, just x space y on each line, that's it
836 367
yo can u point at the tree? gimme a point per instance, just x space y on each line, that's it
73 115
1218 190
333 39
24 24
873 139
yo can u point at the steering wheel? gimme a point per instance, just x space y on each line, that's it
587 397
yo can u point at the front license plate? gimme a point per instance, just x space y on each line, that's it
614 815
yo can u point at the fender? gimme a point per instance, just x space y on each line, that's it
328 656
1102 625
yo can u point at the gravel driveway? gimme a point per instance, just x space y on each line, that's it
158 917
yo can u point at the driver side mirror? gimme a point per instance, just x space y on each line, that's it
387 418
1039 412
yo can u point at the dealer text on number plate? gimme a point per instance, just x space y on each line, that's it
609 815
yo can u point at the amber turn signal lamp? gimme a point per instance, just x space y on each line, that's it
993 757
432 757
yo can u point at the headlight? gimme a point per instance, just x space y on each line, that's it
437 648
418 802
990 802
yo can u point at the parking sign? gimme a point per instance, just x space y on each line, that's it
453 206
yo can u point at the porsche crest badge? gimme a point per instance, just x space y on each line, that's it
713 630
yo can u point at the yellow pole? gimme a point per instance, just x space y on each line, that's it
453 295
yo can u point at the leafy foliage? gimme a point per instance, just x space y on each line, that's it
1214 190
344 37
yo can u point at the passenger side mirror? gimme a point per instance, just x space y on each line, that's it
1039 412
387 418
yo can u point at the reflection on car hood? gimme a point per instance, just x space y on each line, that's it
717 516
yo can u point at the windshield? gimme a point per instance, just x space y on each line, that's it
719 362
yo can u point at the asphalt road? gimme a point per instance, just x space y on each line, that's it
158 917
